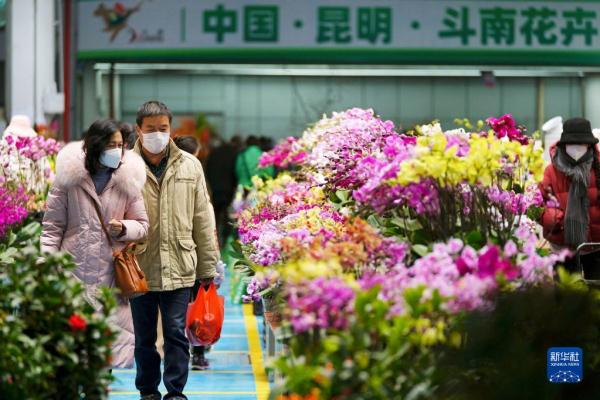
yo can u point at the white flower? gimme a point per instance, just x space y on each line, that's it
431 129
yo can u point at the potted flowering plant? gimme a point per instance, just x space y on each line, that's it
47 329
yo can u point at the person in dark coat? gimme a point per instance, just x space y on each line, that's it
572 181
220 174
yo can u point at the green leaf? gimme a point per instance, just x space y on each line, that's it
374 221
420 237
420 249
421 390
517 188
475 239
412 296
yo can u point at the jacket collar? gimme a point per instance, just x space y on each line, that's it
175 155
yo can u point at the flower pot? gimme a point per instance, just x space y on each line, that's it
272 312
257 308
273 319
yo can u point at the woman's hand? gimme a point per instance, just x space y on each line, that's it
116 227
551 198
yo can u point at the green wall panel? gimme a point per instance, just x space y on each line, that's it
482 101
279 106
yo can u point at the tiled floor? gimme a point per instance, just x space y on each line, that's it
237 370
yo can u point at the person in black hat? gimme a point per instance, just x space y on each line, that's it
572 181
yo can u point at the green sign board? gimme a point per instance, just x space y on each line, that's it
334 31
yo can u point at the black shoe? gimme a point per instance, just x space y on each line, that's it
151 397
199 363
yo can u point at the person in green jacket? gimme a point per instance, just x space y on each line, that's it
246 164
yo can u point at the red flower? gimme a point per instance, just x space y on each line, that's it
120 9
77 323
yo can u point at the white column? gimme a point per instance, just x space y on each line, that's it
20 61
592 99
45 54
30 72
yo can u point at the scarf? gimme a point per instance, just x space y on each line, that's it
577 216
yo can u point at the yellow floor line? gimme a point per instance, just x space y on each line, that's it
256 356
229 352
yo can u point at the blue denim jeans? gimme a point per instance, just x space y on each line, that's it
173 307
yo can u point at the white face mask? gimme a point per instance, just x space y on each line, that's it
111 158
155 142
576 151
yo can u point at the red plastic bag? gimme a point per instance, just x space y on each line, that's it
204 318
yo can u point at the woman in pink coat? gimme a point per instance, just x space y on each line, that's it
98 171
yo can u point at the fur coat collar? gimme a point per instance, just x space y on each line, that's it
129 178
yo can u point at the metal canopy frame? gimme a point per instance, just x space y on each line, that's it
346 70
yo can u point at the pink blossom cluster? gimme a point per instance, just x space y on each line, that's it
254 288
13 207
468 278
460 140
516 203
275 232
27 162
325 303
34 148
335 145
505 127
284 154
262 228
372 174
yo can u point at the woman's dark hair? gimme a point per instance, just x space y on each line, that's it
129 135
188 144
95 141
266 143
252 141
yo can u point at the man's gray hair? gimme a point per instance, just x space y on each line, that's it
152 108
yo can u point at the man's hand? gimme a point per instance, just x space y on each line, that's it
205 282
202 283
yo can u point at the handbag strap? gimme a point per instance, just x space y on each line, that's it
97 208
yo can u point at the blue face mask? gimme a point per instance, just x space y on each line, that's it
111 158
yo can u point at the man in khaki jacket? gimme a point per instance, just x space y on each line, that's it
181 248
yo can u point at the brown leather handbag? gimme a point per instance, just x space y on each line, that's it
129 277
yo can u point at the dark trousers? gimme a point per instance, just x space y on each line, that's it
173 307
